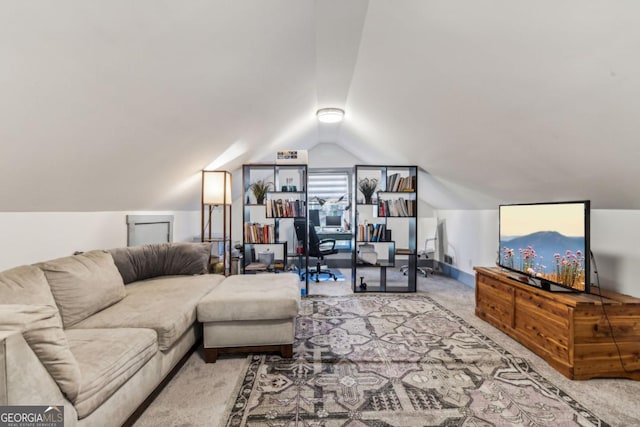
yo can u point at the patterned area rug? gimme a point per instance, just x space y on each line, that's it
396 360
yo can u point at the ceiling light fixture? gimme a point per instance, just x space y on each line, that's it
330 115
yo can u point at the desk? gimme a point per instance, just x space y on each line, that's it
342 238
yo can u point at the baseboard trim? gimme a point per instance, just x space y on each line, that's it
338 263
459 275
442 268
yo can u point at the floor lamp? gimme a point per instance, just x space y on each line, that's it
216 192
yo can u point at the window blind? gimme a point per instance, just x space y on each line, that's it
328 187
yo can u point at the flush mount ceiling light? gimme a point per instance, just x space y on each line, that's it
330 115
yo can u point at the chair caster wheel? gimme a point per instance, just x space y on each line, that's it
363 285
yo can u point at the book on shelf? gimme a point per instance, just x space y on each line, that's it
258 233
397 183
397 207
372 232
279 208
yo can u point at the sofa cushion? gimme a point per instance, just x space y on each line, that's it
252 297
161 259
42 330
166 304
25 285
107 359
83 284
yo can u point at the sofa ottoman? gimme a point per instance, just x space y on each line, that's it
250 313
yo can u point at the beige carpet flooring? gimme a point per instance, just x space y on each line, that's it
198 394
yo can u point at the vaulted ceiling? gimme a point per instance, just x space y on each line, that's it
117 105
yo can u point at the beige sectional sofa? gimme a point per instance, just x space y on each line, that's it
97 332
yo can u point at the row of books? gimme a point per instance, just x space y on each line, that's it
285 208
395 182
259 233
372 233
396 207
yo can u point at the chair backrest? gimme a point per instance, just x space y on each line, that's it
314 242
299 226
301 234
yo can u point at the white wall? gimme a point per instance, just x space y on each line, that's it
473 235
29 237
615 236
330 155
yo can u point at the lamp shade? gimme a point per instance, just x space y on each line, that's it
330 115
216 188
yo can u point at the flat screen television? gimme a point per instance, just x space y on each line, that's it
546 242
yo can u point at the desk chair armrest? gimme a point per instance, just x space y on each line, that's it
325 242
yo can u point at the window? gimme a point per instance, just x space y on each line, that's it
329 192
145 229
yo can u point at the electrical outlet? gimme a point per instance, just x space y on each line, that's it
470 263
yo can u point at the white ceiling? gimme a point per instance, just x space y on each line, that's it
117 105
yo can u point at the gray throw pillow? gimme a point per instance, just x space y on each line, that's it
161 259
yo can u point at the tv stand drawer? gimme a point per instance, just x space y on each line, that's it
494 303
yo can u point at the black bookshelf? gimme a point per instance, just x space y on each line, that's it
384 257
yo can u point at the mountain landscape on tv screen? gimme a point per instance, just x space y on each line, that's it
546 254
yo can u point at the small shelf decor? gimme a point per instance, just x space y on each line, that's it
260 188
367 187
216 193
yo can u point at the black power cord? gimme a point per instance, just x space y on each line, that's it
604 311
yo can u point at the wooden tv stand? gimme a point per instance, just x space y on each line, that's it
568 330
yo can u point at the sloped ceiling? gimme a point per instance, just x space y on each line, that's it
117 105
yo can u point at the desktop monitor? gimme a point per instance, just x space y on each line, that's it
333 221
314 217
